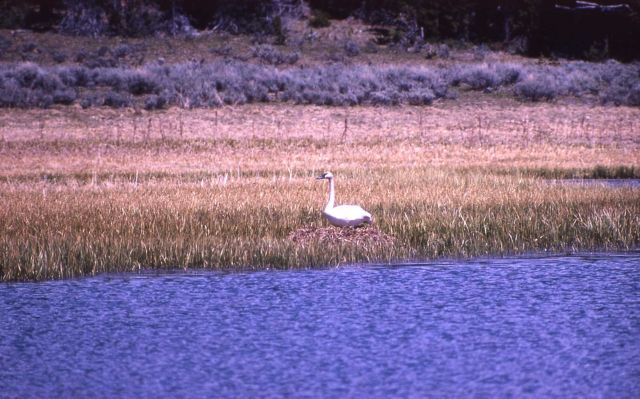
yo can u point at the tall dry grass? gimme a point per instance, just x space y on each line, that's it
89 193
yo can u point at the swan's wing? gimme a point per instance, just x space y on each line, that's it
350 212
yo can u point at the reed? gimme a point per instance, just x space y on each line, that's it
80 199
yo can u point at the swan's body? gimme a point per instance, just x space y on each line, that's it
343 215
347 215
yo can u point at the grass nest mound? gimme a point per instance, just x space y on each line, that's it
367 235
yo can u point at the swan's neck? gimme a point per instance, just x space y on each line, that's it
332 196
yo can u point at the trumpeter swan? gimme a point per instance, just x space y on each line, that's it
343 215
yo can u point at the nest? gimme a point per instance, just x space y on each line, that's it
348 235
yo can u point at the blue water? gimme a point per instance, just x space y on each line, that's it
562 326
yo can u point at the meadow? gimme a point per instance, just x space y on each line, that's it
86 191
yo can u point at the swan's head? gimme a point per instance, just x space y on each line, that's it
325 175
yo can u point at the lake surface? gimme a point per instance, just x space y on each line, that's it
556 326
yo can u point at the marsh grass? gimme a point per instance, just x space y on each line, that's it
227 191
63 233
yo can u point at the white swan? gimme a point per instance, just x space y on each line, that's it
343 215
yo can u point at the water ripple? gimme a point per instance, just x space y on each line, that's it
539 326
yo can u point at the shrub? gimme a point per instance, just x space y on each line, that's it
116 100
483 77
614 95
155 102
382 98
478 78
270 55
443 51
82 55
87 102
351 48
28 48
11 93
225 50
83 18
199 84
507 74
634 96
58 56
348 85
103 51
121 50
40 100
113 78
74 76
140 83
319 19
480 52
421 97
64 96
5 44
335 56
99 62
536 88
370 47
180 25
579 79
47 81
430 51
622 82
25 73
189 85
30 76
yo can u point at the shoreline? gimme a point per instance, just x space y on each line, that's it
399 263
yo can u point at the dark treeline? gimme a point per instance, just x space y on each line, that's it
542 27
565 28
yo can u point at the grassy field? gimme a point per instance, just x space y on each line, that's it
100 190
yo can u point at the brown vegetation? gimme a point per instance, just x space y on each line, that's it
89 191
354 236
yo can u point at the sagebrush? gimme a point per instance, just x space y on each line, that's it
199 84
